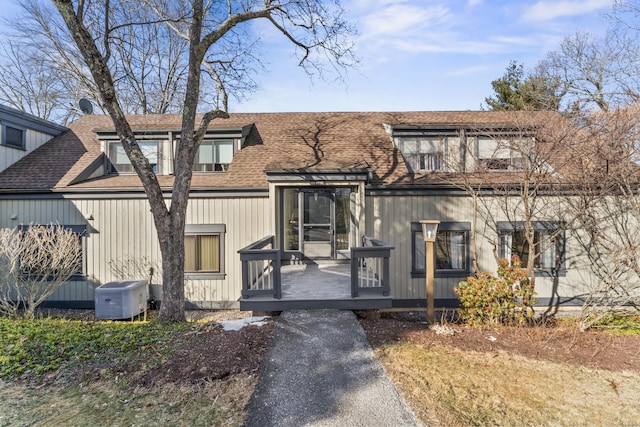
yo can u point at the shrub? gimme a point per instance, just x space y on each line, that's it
505 298
34 263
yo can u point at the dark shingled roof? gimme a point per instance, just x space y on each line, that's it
278 141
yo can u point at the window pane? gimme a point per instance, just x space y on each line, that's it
205 153
419 255
202 253
519 246
291 226
149 150
13 137
120 161
209 246
117 155
343 217
224 152
204 157
430 145
410 147
548 250
451 250
190 253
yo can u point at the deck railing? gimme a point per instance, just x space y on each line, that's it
261 263
370 267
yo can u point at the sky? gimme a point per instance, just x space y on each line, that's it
420 55
429 54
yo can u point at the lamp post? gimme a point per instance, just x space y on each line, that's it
429 233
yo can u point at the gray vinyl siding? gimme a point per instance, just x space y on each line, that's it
123 228
389 219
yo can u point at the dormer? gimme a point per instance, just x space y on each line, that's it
427 148
215 153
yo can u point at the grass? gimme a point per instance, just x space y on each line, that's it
624 324
45 377
32 348
106 403
448 386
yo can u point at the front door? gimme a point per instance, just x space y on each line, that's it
317 227
316 222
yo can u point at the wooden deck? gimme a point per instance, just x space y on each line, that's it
314 286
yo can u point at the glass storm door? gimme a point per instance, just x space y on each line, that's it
318 214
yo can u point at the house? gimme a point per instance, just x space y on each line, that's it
294 190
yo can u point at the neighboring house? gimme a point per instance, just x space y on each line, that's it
318 182
21 133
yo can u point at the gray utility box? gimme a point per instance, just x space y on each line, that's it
121 300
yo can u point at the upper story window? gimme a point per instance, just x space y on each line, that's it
159 146
497 154
120 162
424 154
214 155
13 137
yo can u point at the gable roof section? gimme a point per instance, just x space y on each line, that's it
276 141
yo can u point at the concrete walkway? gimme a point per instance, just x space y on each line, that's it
320 371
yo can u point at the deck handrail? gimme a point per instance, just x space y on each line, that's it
261 269
370 267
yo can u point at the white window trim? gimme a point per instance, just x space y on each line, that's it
208 229
112 168
213 142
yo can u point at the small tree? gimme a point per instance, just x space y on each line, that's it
34 263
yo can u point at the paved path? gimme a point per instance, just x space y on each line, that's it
320 371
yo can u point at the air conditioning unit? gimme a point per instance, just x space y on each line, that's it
121 300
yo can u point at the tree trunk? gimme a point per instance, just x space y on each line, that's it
172 250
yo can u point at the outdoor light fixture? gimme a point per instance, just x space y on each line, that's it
429 234
429 229
14 216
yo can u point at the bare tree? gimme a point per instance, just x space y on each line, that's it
596 72
314 27
44 73
29 83
34 263
515 175
608 201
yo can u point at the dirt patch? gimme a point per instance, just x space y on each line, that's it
210 353
593 349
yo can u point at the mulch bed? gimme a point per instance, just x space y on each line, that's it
210 353
561 344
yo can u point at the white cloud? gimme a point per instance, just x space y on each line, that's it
471 71
474 3
547 10
401 19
